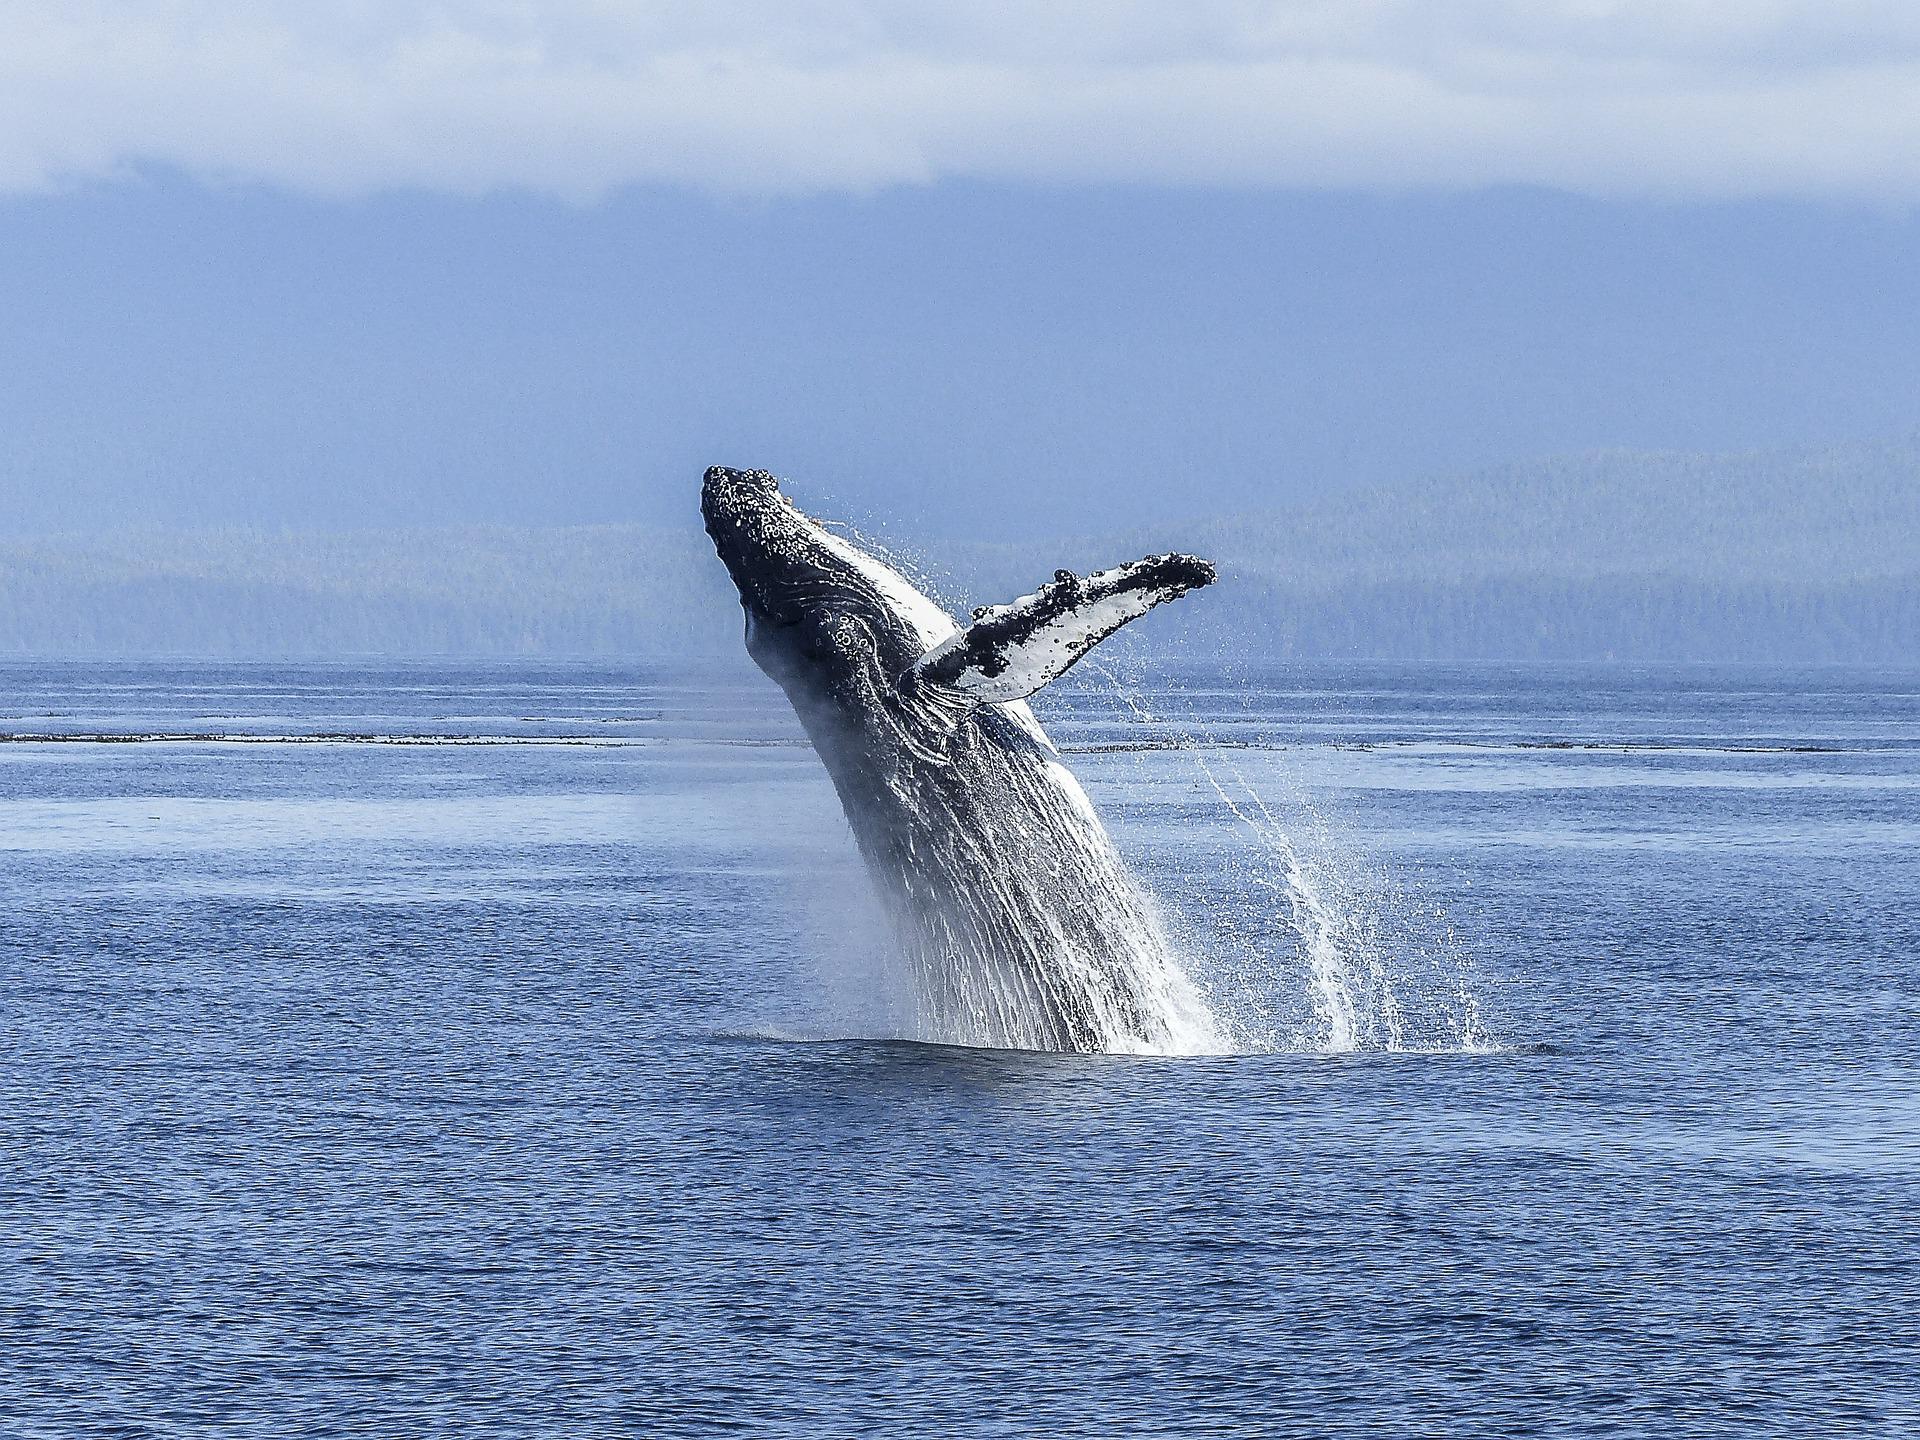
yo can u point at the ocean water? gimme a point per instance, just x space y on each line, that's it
512 1050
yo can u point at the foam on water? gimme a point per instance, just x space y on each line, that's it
1046 942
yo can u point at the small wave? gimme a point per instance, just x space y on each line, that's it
770 1034
1132 747
1431 744
1478 1049
216 737
1685 746
785 1035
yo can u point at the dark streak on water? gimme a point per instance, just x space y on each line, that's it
428 1089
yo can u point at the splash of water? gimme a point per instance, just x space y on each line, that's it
1364 967
1044 942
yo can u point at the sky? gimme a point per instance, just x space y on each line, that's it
985 267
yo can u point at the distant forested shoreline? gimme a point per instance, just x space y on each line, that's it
1804 556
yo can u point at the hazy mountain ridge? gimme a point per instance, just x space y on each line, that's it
1849 513
1792 555
479 590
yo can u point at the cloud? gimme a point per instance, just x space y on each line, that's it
1697 98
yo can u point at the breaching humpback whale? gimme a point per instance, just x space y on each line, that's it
1024 927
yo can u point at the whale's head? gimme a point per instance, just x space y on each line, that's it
847 635
821 612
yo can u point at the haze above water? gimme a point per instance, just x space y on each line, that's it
973 361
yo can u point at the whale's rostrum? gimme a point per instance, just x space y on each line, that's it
1023 926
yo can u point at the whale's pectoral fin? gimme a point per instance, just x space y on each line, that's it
1010 651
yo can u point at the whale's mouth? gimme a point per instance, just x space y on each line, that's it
769 548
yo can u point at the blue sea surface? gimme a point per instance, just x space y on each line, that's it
509 1050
